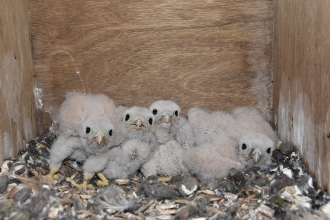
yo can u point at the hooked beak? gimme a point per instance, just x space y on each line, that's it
256 155
99 138
138 122
167 117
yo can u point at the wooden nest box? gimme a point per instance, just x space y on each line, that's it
272 54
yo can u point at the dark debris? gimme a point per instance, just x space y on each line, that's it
284 191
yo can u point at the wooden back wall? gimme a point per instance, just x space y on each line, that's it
301 81
213 54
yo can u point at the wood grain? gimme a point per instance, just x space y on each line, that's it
301 81
17 105
214 54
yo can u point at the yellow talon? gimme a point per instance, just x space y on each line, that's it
104 181
51 175
90 186
84 184
278 144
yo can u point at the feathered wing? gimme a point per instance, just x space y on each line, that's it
184 134
166 160
249 119
117 121
62 148
207 126
213 160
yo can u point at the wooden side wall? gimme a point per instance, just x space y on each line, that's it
302 81
214 54
17 104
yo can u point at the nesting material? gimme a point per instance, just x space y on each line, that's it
284 191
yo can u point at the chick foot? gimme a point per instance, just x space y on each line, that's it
51 175
103 180
84 184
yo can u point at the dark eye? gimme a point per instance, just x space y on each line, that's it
268 150
150 121
155 111
88 129
244 146
127 117
176 113
110 132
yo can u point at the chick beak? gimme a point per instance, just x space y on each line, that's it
138 123
99 138
256 154
167 117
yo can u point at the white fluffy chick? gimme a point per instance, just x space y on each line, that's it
166 160
249 119
85 133
138 123
213 159
235 123
256 150
185 134
174 134
167 119
242 123
125 160
117 121
208 125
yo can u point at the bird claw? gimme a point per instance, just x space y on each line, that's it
101 183
84 185
51 175
103 180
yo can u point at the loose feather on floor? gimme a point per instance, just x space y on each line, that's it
113 197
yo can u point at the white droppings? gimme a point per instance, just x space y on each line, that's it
310 182
325 208
283 117
53 127
296 123
8 146
49 109
82 83
27 126
52 54
5 166
288 172
188 192
37 95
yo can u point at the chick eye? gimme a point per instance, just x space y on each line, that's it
110 132
155 111
150 121
268 150
127 117
88 129
176 113
244 146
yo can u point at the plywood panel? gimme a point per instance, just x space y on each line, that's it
214 54
17 105
301 81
